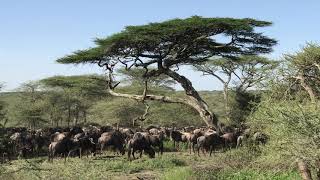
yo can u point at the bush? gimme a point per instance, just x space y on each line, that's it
293 127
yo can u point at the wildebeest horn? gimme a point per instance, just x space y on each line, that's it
91 140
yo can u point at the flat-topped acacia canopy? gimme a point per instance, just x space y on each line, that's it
187 40
167 44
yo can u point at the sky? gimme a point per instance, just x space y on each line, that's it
34 33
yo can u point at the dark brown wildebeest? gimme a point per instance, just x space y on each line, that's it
209 142
139 143
155 141
114 138
176 137
63 147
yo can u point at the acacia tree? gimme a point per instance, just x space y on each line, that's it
167 45
77 96
303 68
29 109
246 71
222 69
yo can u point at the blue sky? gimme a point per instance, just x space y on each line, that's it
34 33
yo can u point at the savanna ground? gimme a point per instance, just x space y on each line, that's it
243 163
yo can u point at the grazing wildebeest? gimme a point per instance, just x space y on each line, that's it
139 143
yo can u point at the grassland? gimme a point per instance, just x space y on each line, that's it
233 164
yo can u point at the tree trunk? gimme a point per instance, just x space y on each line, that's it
69 115
76 116
226 100
307 88
194 100
304 170
318 168
85 116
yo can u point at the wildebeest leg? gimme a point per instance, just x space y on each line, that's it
101 148
211 148
161 148
65 156
203 151
193 144
141 153
129 153
198 149
49 155
133 154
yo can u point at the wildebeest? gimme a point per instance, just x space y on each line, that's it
230 139
209 142
139 143
114 138
176 137
260 138
63 147
155 141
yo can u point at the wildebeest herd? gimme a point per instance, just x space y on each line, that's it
93 140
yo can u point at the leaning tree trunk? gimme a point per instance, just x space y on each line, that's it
194 100
307 88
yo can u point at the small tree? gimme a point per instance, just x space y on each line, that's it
160 48
246 71
29 109
78 93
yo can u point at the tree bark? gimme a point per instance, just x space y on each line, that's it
304 170
226 100
85 116
194 100
69 115
307 88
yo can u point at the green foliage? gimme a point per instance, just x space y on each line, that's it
107 109
302 70
85 85
29 107
70 97
117 110
196 29
242 104
136 77
293 128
